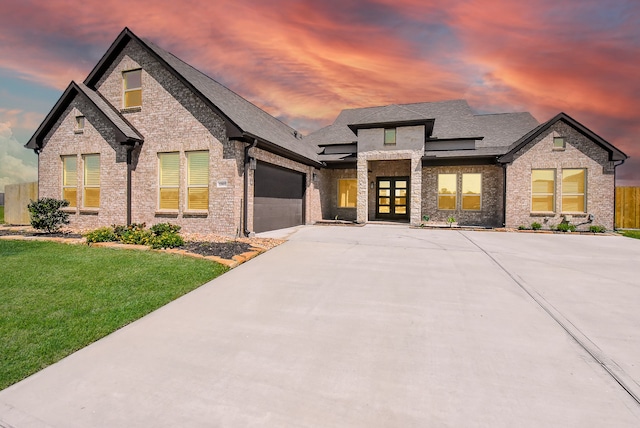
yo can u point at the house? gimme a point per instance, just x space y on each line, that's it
148 138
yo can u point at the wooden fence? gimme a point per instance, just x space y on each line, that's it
627 207
16 199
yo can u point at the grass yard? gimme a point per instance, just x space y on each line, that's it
631 233
57 298
1 214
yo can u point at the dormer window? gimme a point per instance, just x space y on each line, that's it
559 143
132 81
79 124
390 136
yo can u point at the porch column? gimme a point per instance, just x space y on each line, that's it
363 186
416 188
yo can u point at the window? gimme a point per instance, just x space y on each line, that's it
169 181
347 193
91 188
198 180
471 192
558 143
390 136
447 191
573 190
132 88
543 185
70 180
79 123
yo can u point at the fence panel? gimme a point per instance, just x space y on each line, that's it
628 207
16 199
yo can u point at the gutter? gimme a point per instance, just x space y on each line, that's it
247 161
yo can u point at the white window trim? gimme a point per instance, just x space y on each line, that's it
125 90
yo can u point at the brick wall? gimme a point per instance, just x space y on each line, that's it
491 211
173 119
329 194
580 152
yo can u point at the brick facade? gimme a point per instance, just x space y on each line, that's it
491 210
580 152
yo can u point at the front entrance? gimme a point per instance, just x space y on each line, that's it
392 202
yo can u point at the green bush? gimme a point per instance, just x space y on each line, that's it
134 234
46 214
426 217
522 227
597 229
566 227
536 226
160 228
166 240
104 234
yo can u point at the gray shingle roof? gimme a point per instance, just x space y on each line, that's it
248 117
125 132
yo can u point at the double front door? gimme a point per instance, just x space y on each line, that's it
392 198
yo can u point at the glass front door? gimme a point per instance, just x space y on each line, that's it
392 198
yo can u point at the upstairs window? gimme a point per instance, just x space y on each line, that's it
559 143
574 186
471 192
447 191
91 188
169 188
543 185
198 181
70 180
347 193
132 81
390 136
79 123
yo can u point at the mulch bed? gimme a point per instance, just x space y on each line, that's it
225 250
6 232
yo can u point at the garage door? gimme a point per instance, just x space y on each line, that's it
278 198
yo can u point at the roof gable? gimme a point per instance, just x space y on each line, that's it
243 119
614 153
125 132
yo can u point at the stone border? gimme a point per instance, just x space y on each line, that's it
236 260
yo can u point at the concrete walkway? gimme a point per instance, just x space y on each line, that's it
375 326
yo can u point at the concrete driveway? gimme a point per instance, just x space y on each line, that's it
375 326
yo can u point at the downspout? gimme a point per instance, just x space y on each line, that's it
129 157
504 195
247 161
615 202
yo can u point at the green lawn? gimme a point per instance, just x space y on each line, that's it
1 214
631 233
57 298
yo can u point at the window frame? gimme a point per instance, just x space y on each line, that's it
339 205
395 136
554 200
74 203
80 122
583 194
454 193
168 186
562 140
463 194
126 90
86 186
199 185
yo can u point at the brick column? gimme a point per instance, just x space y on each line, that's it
416 188
363 186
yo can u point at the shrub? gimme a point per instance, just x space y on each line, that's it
451 219
46 214
135 234
104 234
425 218
597 229
166 240
566 227
522 227
160 228
536 226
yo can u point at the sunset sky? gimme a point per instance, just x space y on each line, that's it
304 61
